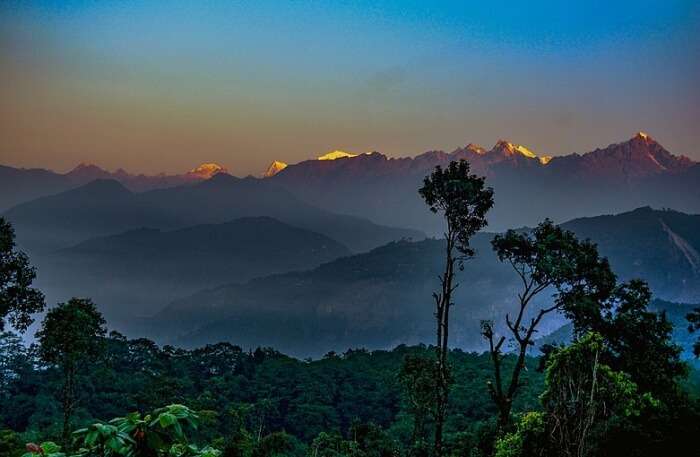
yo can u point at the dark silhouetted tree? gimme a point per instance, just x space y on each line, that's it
463 200
18 299
70 336
549 258
638 341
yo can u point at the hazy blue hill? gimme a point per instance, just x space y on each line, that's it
105 207
224 196
382 297
661 246
18 185
376 299
138 271
101 207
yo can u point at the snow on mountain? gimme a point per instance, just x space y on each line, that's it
334 155
274 168
206 170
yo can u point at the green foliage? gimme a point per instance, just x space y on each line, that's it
162 429
158 434
463 198
417 377
11 445
45 449
637 340
71 336
581 393
366 440
70 332
279 444
526 441
18 299
14 360
253 394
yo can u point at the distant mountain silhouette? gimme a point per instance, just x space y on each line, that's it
639 157
19 185
101 207
661 246
383 297
105 207
527 187
139 271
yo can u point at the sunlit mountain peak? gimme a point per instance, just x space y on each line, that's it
512 148
475 148
643 136
334 155
207 170
274 168
544 160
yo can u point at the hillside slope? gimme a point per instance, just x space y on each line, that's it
383 297
138 271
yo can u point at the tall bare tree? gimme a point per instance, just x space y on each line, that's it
463 200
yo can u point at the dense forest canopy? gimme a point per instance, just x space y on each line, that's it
263 390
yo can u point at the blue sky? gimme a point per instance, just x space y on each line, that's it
161 86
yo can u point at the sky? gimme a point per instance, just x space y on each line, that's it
161 86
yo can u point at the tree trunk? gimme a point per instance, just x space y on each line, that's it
67 403
443 302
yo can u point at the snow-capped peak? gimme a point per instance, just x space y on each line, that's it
511 148
207 170
274 168
643 136
334 155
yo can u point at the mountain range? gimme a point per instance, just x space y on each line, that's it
527 187
19 185
382 298
106 207
618 177
335 247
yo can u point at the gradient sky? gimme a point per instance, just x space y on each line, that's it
162 86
